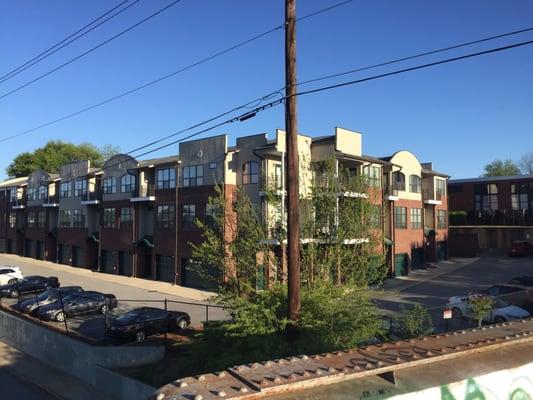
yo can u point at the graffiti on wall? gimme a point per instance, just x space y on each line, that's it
510 384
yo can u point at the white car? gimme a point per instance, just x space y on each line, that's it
9 274
501 312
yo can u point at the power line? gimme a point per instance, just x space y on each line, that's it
65 42
169 75
427 53
274 103
90 50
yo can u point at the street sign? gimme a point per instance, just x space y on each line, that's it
447 314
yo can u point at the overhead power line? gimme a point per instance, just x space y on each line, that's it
243 117
90 50
68 40
169 75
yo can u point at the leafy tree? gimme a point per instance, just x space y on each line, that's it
526 163
55 153
480 306
501 168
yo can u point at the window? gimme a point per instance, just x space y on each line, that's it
65 189
519 196
127 183
400 217
64 218
126 217
441 219
415 184
42 193
109 185
278 177
12 220
31 193
12 195
80 188
416 218
213 165
78 219
250 173
373 175
486 197
440 188
166 217
398 181
41 219
193 175
375 216
188 217
211 211
166 178
109 217
31 219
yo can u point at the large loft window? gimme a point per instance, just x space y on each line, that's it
520 196
486 197
416 218
415 184
42 192
127 183
109 185
166 178
373 175
250 172
80 188
65 189
400 217
126 217
65 218
188 217
440 188
193 175
398 179
166 217
109 217
78 219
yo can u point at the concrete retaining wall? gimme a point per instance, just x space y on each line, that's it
86 362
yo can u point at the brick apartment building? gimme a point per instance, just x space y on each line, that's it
137 217
497 200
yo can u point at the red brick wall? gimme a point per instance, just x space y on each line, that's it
406 239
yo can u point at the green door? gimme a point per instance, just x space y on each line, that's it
400 264
260 280
442 250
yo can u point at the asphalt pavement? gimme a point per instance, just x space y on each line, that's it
15 388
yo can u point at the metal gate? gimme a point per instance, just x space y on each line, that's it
417 257
107 261
442 251
125 263
27 247
39 250
78 256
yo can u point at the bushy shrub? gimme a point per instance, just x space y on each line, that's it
414 321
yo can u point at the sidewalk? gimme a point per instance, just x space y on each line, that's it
419 276
55 383
146 284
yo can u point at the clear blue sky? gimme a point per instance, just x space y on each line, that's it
460 116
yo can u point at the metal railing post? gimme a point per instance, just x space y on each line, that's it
64 313
166 330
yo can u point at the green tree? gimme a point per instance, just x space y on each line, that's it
480 306
55 153
526 163
501 168
415 321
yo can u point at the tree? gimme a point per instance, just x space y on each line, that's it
55 153
480 306
526 163
415 321
501 168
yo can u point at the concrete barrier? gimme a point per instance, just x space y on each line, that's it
89 363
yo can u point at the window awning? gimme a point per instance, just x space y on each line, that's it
387 241
94 238
147 241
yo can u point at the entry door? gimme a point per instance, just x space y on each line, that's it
400 264
125 263
27 248
417 256
39 250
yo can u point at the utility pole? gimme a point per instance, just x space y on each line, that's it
293 210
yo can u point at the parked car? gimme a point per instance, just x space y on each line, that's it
142 322
77 304
522 281
9 274
516 295
30 284
501 312
29 306
519 248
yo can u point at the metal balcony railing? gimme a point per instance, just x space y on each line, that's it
146 190
505 217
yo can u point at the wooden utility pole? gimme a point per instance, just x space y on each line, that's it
293 209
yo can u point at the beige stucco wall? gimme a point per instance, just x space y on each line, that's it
409 166
348 142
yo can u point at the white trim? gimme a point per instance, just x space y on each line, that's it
18 207
144 198
90 202
433 202
352 194
50 204
391 197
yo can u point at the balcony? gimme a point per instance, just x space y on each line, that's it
431 197
91 198
17 204
271 187
51 201
143 193
504 217
391 192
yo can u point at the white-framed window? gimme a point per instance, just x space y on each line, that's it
440 188
442 222
193 175
109 185
109 218
78 218
166 217
65 218
278 178
250 172
42 192
416 218
415 184
166 178
373 175
65 189
188 216
127 183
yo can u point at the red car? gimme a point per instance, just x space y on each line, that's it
519 248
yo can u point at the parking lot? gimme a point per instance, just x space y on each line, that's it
129 297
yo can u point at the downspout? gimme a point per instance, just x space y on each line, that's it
176 221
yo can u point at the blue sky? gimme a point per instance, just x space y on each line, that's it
460 116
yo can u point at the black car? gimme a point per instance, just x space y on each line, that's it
522 281
30 284
145 321
30 305
77 304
